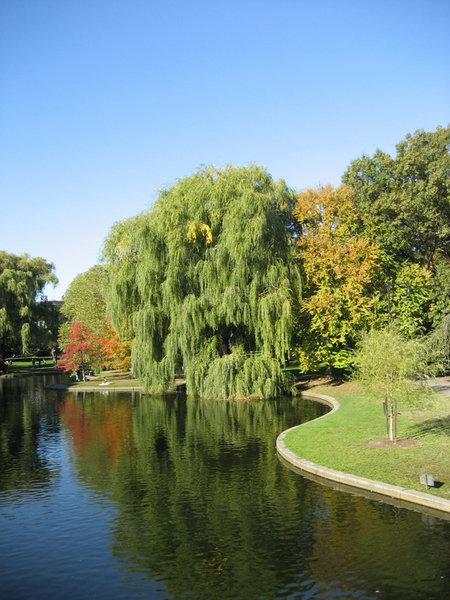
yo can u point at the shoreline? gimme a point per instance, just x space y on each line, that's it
379 488
324 475
93 388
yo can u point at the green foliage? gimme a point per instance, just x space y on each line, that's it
404 202
392 366
84 299
403 206
339 268
85 304
22 278
208 282
238 375
46 329
410 298
437 346
25 335
385 358
440 292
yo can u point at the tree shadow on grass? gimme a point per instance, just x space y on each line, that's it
307 384
439 426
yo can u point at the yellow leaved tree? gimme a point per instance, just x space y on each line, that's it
338 269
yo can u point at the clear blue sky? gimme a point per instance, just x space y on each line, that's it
104 102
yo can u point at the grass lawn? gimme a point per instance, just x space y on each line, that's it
117 379
114 383
339 441
19 366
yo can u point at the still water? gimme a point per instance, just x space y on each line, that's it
114 495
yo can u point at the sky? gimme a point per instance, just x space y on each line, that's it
105 102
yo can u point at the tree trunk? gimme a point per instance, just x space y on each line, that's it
394 400
82 368
386 415
391 420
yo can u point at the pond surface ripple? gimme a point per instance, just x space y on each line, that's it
121 496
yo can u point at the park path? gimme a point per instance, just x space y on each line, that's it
441 384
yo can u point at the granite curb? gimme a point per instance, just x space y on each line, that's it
377 487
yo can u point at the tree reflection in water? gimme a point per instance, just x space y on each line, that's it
205 507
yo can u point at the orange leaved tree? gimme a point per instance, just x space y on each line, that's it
338 269
116 354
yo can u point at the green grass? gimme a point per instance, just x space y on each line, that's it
26 365
339 441
114 383
117 379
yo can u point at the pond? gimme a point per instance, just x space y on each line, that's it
117 495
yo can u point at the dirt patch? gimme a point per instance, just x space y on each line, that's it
386 443
307 384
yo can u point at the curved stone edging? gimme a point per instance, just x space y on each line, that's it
378 487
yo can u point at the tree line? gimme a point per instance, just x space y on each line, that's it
230 275
26 325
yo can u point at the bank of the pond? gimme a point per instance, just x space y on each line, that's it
94 388
346 446
117 384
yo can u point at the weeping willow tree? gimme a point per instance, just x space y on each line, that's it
208 282
22 279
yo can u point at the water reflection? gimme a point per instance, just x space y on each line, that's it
25 429
195 502
204 503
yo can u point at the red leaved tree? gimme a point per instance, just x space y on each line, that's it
82 350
